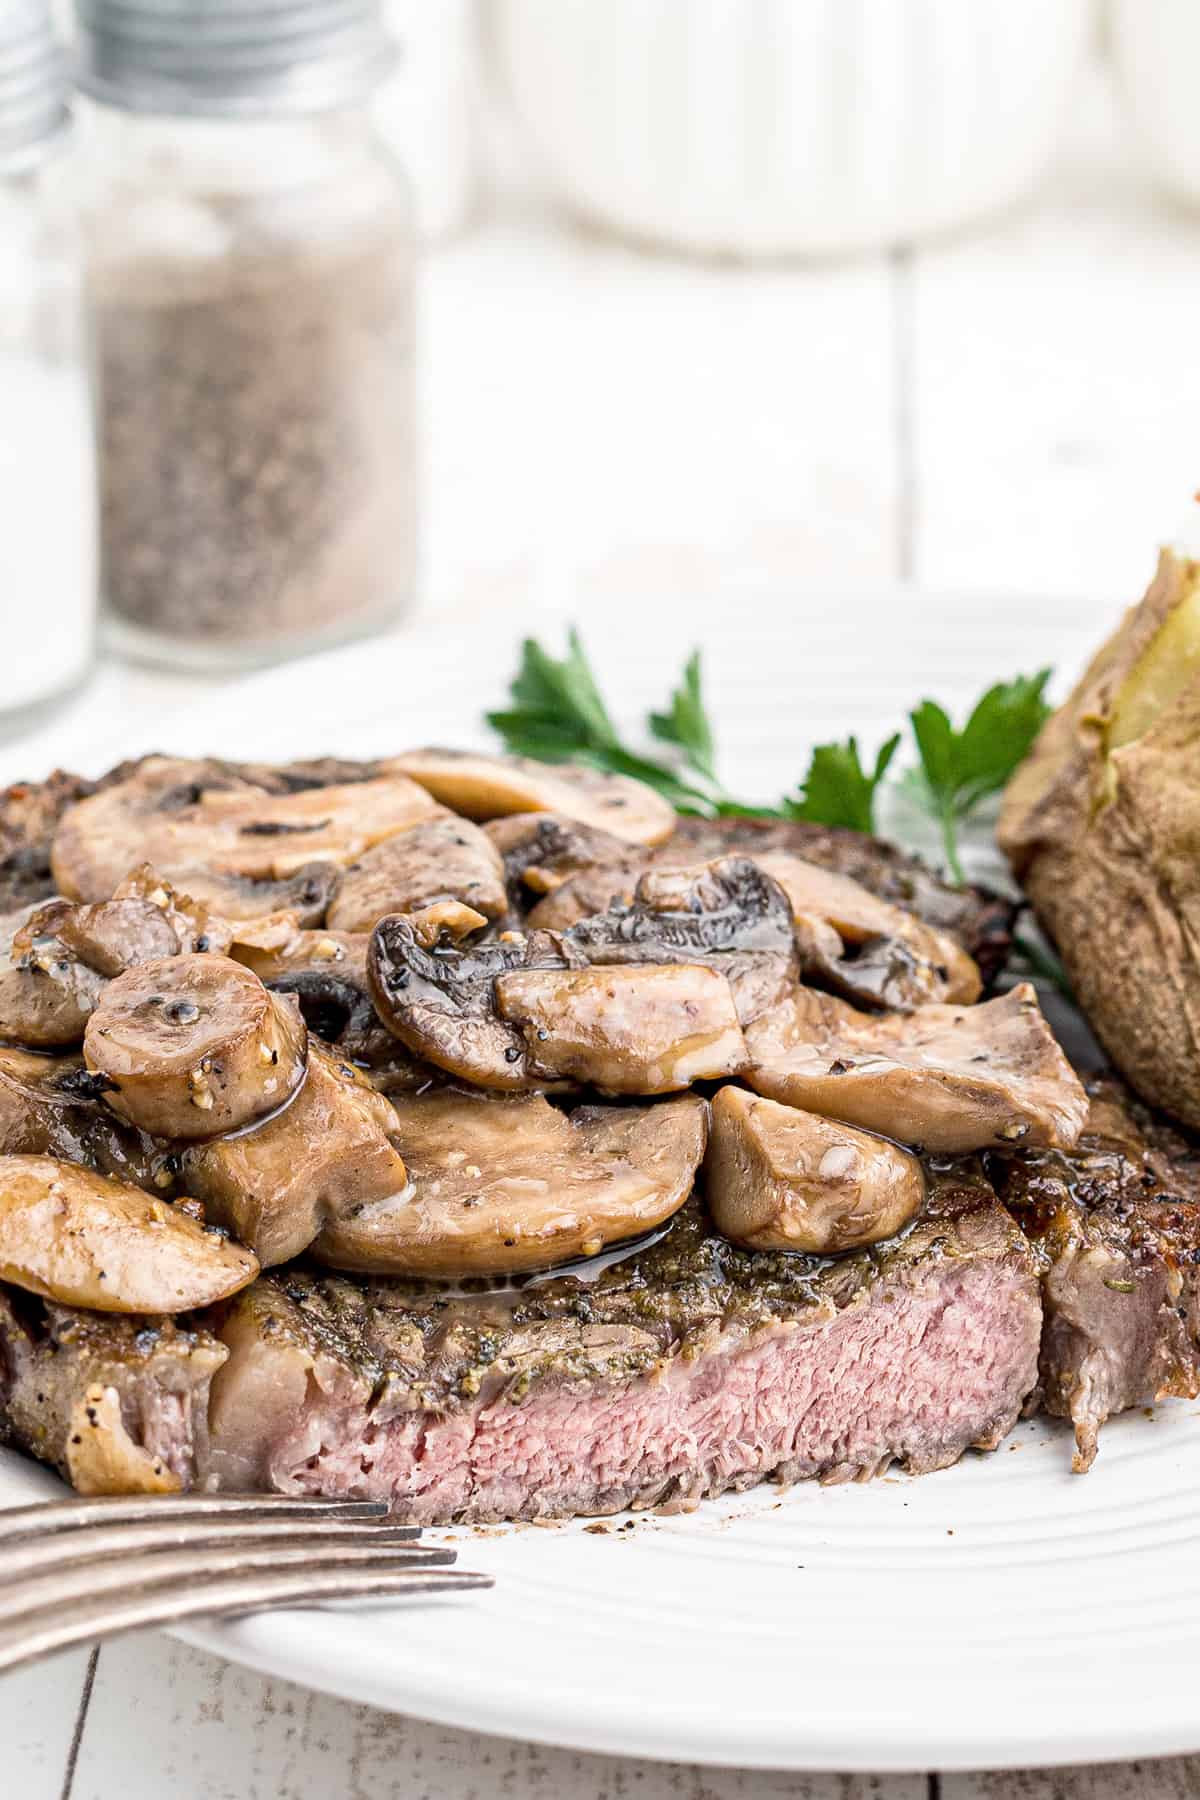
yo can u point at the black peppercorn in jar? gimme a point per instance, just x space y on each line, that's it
250 273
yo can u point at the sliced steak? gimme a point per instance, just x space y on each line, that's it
119 1405
683 1371
1115 1224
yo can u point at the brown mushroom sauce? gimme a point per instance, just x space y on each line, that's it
452 1016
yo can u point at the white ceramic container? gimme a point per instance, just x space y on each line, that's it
783 127
1156 51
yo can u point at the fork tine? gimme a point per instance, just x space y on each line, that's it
32 1554
88 1617
59 1586
116 1509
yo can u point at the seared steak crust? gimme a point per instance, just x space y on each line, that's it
686 1370
1115 1224
117 1404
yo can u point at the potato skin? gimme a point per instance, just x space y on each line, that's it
1107 845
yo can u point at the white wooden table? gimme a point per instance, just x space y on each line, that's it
1016 411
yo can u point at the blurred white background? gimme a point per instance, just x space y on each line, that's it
1006 402
1008 405
1011 406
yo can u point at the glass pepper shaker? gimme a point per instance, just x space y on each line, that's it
250 277
47 466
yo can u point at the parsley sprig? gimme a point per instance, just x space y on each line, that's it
558 714
686 725
837 789
959 770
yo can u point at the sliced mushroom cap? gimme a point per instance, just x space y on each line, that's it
489 787
728 915
440 1001
108 937
32 1100
889 957
195 924
306 894
269 837
440 858
46 994
944 1078
83 1240
241 849
522 1012
325 972
541 850
978 920
446 922
626 1030
777 1178
194 1045
329 1152
63 951
510 1184
339 953
590 891
49 1107
848 939
690 914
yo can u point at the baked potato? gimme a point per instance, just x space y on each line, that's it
1101 824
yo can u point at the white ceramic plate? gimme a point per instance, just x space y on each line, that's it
1004 1612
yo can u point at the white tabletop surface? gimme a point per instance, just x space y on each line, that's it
1011 411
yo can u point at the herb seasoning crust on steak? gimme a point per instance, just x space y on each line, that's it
1115 1224
432 1077
117 1404
687 1370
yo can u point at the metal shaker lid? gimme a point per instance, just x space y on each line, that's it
33 83
231 58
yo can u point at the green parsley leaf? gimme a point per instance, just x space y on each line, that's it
687 725
746 809
960 769
837 789
560 698
530 734
559 715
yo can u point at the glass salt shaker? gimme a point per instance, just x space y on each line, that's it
47 466
250 275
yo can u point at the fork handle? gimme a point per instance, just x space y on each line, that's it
86 1619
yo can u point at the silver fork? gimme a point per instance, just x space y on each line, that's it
77 1570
